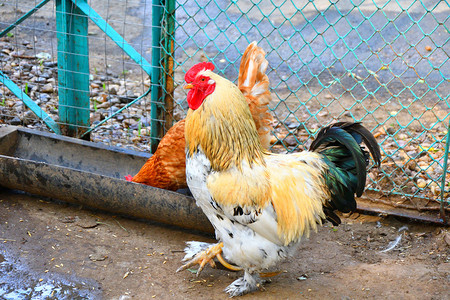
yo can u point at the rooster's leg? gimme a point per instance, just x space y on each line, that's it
201 254
246 284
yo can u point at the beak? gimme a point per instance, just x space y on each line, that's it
188 86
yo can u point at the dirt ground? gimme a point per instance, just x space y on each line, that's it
51 250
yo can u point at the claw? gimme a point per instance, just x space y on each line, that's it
203 257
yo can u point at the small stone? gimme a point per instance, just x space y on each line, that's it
15 121
46 75
94 92
290 141
94 85
87 223
114 101
293 125
113 89
128 97
435 189
50 64
100 254
47 88
390 130
136 139
40 80
104 105
44 97
402 136
52 81
421 183
26 66
130 122
145 121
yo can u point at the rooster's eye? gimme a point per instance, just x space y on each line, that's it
203 79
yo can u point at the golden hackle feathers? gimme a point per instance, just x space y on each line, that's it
214 127
254 85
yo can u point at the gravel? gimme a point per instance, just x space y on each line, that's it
412 159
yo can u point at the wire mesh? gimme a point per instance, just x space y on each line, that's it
383 63
29 59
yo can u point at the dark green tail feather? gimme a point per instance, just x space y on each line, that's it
347 162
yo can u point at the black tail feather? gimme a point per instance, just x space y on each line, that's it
339 143
367 137
333 135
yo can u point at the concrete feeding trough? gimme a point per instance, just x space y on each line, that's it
89 174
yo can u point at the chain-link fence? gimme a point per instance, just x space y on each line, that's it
384 63
30 55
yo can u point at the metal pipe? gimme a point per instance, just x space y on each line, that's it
117 112
115 37
29 103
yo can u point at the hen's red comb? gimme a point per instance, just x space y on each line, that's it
129 178
190 75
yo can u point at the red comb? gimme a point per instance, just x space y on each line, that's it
190 75
129 178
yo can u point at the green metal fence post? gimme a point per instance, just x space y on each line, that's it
169 54
444 176
73 68
155 124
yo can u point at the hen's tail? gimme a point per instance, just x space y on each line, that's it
339 143
254 84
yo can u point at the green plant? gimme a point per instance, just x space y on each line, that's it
139 127
41 64
26 88
94 104
10 34
3 101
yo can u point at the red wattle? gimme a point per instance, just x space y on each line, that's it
195 96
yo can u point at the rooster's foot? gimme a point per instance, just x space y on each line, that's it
203 253
247 284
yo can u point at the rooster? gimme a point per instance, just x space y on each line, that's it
262 204
166 169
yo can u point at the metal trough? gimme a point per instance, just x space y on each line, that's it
89 174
